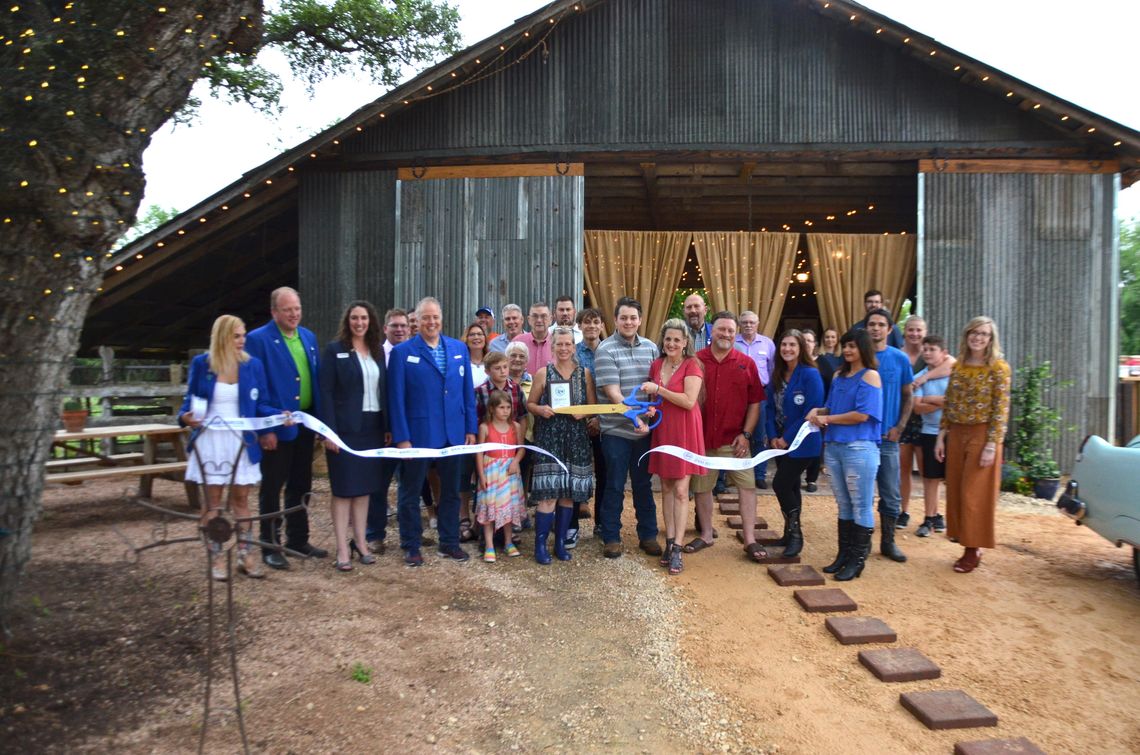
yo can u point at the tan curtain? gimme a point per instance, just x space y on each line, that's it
845 265
646 265
747 271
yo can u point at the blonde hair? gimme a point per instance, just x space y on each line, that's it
993 351
221 355
676 323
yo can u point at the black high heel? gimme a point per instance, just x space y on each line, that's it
365 558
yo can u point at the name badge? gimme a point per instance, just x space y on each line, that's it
559 394
253 393
413 360
342 355
462 372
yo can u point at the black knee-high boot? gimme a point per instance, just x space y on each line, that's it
844 529
793 535
860 549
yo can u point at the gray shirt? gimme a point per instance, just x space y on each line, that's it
619 362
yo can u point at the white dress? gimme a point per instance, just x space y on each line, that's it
219 447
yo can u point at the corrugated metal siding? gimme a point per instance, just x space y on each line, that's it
347 240
636 74
1035 253
489 241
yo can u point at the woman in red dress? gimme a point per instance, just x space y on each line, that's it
676 376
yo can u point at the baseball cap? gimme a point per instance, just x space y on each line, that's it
488 310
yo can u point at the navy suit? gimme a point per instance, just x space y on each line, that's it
342 388
252 396
430 409
290 465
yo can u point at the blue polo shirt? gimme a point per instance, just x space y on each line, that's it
895 371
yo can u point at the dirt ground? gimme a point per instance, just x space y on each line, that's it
590 656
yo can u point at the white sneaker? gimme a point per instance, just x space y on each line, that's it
571 540
433 523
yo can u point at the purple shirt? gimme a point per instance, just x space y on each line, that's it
763 353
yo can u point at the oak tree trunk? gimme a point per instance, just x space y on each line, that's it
85 84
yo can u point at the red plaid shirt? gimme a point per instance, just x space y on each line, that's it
483 392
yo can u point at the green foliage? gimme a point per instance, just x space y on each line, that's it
361 673
1130 288
73 405
154 216
321 39
1036 424
1014 481
677 308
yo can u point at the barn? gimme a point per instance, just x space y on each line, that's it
785 155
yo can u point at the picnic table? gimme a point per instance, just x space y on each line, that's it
83 461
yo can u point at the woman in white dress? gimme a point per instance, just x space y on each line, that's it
226 383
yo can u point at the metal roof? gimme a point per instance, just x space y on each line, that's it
525 38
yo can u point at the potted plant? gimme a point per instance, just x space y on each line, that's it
74 416
1036 427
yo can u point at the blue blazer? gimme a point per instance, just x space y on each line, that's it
252 396
342 389
803 393
429 409
267 344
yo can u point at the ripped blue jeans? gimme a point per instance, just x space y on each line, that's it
853 469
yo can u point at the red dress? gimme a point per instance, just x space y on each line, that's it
679 427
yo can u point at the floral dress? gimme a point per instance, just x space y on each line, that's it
566 438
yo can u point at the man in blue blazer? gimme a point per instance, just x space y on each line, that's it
431 403
289 354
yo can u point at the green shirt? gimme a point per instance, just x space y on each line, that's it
301 359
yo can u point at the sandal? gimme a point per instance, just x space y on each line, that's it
466 533
343 565
676 566
696 544
512 551
756 552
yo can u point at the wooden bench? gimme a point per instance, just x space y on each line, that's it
137 470
78 446
90 461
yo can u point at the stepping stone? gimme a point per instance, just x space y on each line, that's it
1019 746
736 523
827 600
764 537
729 497
947 709
859 630
899 664
730 507
795 575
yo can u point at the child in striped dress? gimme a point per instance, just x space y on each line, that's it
500 501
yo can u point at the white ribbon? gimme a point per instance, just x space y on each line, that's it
320 428
733 464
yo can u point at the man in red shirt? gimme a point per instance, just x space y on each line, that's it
730 408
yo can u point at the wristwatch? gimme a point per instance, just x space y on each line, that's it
747 435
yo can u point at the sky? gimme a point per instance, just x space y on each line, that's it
1087 57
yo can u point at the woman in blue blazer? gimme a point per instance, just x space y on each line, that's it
354 405
229 383
796 389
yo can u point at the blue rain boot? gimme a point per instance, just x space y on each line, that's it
562 518
542 524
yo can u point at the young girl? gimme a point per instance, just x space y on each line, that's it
500 502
